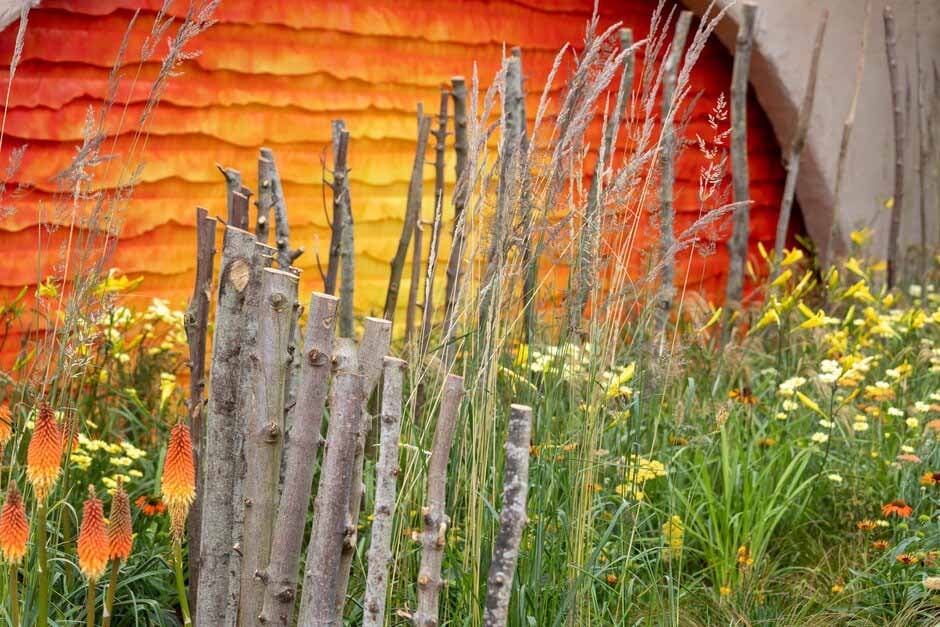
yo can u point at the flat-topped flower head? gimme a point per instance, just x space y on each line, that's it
179 478
93 544
120 531
44 455
14 528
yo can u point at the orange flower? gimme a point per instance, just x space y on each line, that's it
6 424
44 455
611 579
866 525
150 505
881 545
14 528
930 479
93 546
120 532
743 396
907 559
914 459
898 507
179 478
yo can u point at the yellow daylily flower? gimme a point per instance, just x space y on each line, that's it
716 315
47 289
791 257
114 283
785 276
853 266
861 236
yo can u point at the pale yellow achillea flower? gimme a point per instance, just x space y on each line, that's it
44 455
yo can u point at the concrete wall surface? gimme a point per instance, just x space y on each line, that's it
785 33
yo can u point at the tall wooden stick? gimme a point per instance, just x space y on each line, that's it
339 185
265 434
512 519
233 184
414 286
923 145
667 168
280 577
434 535
238 216
239 283
460 199
196 324
412 210
740 179
319 604
376 337
799 140
440 150
587 263
268 177
386 477
828 255
347 253
894 75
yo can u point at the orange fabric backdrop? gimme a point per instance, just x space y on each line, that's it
275 74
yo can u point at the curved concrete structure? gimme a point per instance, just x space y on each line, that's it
784 41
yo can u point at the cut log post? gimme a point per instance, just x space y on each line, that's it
280 577
265 433
233 184
510 149
440 150
587 265
433 536
376 337
512 519
240 204
386 478
412 210
740 180
239 286
196 325
460 199
319 604
339 185
667 176
270 181
347 250
894 76
799 140
923 144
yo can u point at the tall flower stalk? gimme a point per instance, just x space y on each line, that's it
14 533
120 540
93 547
178 489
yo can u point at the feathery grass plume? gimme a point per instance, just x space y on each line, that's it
120 531
6 424
93 545
178 488
44 455
14 528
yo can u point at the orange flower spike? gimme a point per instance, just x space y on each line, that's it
14 528
93 545
120 531
179 478
6 424
44 455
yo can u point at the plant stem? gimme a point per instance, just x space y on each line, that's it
180 585
91 603
43 619
14 597
109 597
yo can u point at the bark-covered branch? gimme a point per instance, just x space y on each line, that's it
238 217
319 603
347 253
300 454
340 187
270 181
434 535
894 75
512 519
461 197
233 184
265 433
386 478
440 150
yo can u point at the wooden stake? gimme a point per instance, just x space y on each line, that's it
233 184
799 140
386 477
412 210
265 433
339 185
232 342
280 577
196 324
512 519
894 75
434 535
238 217
737 245
667 167
440 141
347 253
268 177
460 200
319 604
